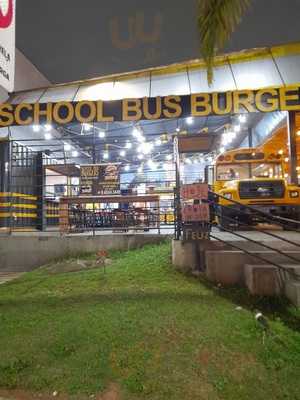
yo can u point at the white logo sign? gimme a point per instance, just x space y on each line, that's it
7 43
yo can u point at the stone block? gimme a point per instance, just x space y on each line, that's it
225 267
263 280
292 292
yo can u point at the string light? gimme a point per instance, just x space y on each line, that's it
190 120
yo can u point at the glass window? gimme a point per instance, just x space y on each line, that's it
248 170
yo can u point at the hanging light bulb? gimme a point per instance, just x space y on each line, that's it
75 153
47 127
128 145
190 120
242 118
157 142
140 156
237 128
140 169
106 155
122 153
127 168
101 134
188 161
169 157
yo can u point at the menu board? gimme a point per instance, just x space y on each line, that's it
100 179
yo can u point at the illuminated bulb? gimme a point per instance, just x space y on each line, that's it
67 147
106 155
36 128
75 153
152 165
222 149
190 120
166 166
145 148
48 136
87 127
127 168
297 168
280 152
140 169
157 142
177 129
136 133
242 118
140 157
298 133
286 159
48 127
195 161
286 175
128 145
169 157
210 159
237 128
122 153
101 134
141 139
298 176
188 161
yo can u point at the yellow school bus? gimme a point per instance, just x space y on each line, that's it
255 178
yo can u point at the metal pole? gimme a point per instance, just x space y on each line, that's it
292 146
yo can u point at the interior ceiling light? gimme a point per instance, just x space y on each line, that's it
101 134
87 127
242 118
190 120
136 133
145 148
36 128
122 153
47 127
128 145
48 136
67 146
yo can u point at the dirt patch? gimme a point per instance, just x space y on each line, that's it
112 393
75 266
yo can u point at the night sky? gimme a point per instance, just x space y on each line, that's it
77 39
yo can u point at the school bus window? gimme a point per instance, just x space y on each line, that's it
248 170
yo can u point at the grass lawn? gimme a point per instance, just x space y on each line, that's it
143 331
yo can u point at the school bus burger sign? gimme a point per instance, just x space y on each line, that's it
7 43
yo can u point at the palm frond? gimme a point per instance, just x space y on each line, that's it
217 20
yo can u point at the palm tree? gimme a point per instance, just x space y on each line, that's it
217 20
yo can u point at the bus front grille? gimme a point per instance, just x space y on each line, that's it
261 189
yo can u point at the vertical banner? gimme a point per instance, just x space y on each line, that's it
100 179
7 43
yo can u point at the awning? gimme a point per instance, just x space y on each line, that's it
249 69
